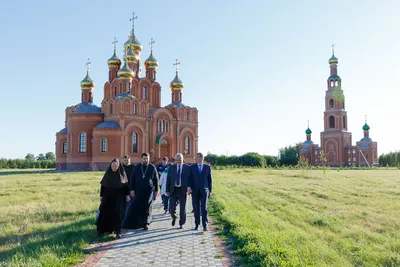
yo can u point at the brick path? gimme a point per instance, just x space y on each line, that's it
164 245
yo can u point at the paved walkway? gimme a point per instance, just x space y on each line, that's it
164 245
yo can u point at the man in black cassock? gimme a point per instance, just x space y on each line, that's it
144 180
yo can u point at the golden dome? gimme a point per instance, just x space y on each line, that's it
176 83
87 82
114 60
133 43
333 60
125 72
131 56
151 62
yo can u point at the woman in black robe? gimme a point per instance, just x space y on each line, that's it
144 180
114 192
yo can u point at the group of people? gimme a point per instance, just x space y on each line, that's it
127 192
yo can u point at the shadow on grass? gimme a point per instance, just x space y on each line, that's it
64 241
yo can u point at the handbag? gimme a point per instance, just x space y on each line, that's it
96 219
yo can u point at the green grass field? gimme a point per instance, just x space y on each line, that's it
46 219
310 218
272 217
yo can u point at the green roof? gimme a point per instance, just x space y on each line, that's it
366 127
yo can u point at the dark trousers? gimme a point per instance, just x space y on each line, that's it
178 194
199 201
165 201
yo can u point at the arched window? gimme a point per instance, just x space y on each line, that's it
331 83
331 122
103 145
82 142
64 148
187 115
336 83
187 144
134 142
166 126
331 103
129 88
134 108
344 122
115 90
120 87
144 93
111 108
162 126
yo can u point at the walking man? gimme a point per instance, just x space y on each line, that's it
200 186
177 184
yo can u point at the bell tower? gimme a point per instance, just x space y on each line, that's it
335 138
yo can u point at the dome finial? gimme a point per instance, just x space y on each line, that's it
333 49
176 64
151 45
133 20
88 65
365 118
115 44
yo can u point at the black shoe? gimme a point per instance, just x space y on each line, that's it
165 211
196 227
180 226
173 221
145 227
205 229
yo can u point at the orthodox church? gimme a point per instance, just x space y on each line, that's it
336 142
130 119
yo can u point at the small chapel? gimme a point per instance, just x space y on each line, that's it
336 142
130 120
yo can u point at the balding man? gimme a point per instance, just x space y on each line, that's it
177 183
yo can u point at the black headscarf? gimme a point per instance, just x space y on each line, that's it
115 179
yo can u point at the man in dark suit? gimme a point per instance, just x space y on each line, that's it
200 186
177 184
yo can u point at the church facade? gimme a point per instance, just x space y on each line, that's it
130 119
336 142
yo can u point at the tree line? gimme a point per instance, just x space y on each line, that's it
391 159
41 161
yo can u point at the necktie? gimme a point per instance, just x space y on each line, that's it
178 176
200 167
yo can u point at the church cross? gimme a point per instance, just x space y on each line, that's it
133 20
115 43
176 64
88 65
151 44
365 118
333 49
308 123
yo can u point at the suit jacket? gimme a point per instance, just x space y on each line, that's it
171 178
200 181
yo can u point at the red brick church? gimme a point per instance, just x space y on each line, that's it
336 142
130 120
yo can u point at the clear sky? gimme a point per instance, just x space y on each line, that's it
256 70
